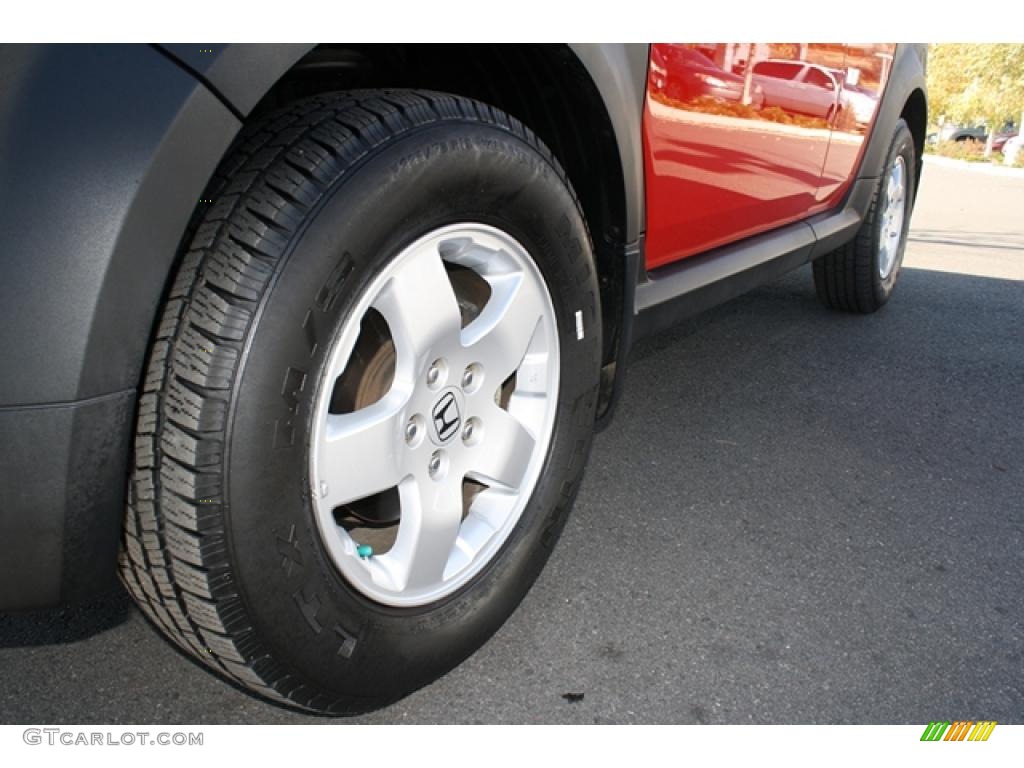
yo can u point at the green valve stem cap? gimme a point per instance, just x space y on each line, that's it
364 551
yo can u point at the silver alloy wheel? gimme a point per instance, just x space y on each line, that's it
892 218
471 403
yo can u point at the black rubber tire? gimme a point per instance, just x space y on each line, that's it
220 547
848 278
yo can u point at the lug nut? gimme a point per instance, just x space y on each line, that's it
472 431
472 377
438 465
437 373
414 431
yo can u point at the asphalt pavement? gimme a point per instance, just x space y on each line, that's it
796 516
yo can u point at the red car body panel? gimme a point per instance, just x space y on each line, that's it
724 162
866 68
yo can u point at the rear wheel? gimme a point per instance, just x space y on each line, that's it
369 402
860 276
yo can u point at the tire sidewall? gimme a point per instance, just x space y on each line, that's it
300 607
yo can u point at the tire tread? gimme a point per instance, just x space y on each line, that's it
844 279
173 557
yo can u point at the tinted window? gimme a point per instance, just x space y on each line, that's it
780 69
818 78
695 58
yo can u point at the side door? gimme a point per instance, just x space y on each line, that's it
864 74
722 162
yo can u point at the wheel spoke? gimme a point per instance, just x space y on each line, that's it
349 439
431 515
533 377
437 543
896 183
503 455
420 308
500 336
894 192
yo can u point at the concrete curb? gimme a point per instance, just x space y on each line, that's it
989 168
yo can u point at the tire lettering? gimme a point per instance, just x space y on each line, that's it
348 642
291 555
328 294
309 609
284 429
307 326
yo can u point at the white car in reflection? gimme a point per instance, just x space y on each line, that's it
811 89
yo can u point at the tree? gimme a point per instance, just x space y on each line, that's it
977 81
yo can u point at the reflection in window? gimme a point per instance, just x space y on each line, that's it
820 79
777 69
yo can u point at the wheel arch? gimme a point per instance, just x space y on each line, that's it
95 203
904 95
605 82
583 100
915 113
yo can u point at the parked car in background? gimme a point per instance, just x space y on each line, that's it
1012 150
308 343
977 132
954 132
999 142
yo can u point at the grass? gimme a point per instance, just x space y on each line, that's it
971 152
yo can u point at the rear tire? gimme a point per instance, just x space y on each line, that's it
230 546
860 275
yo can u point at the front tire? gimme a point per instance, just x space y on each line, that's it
370 399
